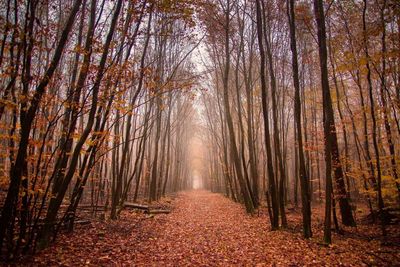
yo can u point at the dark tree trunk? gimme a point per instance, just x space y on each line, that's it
331 144
271 177
304 181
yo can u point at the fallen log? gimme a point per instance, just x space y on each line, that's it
146 208
158 211
82 222
135 206
84 207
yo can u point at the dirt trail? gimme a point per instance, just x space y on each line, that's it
204 228
207 229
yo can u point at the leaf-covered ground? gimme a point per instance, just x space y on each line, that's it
206 229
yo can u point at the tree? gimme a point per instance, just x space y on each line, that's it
331 147
272 192
16 172
304 181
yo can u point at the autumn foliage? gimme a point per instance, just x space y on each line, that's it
286 107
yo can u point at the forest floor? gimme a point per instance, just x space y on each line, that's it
207 229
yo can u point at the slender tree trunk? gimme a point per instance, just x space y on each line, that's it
271 177
242 183
331 145
381 204
305 193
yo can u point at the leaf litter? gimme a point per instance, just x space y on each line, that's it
208 229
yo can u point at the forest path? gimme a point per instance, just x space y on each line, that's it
209 229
